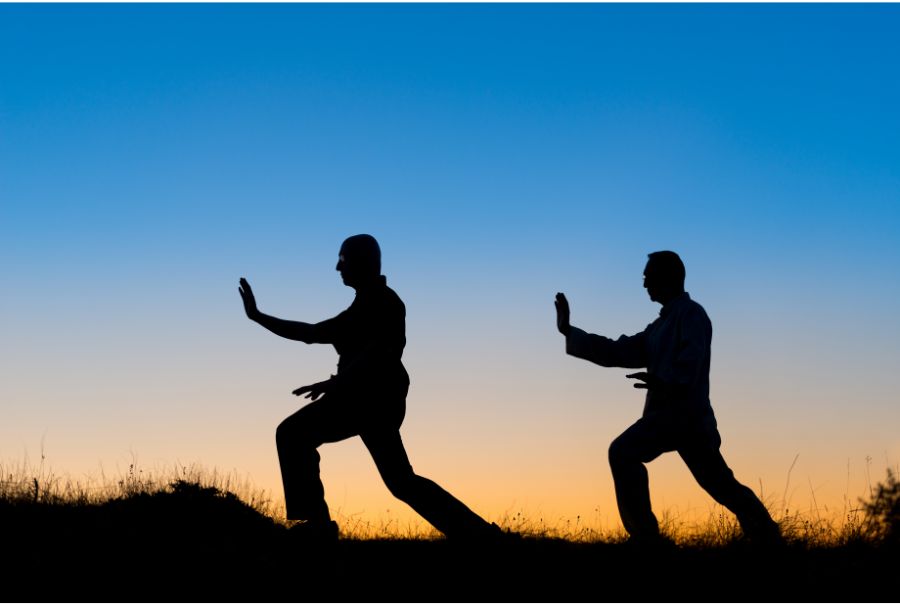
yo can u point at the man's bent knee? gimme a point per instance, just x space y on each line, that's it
282 433
291 434
619 452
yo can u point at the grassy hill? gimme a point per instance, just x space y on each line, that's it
186 541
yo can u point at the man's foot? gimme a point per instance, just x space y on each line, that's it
499 535
653 543
319 532
488 533
769 537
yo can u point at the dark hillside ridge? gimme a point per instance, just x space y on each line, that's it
192 543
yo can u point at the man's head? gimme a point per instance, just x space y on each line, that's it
359 260
664 276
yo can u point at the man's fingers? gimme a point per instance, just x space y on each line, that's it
642 376
562 305
313 391
310 391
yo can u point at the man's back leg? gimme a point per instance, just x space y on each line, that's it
712 473
450 516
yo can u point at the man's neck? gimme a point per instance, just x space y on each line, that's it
668 298
369 283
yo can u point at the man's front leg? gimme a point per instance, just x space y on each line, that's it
627 455
298 438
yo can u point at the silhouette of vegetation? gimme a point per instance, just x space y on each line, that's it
187 536
883 511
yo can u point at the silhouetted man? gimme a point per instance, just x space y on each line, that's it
675 350
367 397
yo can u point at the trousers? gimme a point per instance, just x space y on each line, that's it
697 441
335 418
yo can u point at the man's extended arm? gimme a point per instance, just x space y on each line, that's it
293 330
625 352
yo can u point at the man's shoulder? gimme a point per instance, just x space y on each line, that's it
688 307
690 303
391 297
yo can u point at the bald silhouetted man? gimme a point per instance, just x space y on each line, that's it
675 350
367 397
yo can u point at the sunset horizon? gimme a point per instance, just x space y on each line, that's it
153 155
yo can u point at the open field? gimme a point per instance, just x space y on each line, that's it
191 541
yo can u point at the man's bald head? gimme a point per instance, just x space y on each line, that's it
664 276
359 260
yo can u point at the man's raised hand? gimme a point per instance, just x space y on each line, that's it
562 314
249 300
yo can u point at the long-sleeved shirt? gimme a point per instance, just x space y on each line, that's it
674 348
369 337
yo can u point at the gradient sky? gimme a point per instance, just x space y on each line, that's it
150 155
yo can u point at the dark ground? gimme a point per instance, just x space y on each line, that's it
196 545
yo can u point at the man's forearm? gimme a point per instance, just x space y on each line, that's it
626 352
292 330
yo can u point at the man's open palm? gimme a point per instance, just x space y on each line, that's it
248 298
562 314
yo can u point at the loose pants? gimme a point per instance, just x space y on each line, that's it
377 422
697 441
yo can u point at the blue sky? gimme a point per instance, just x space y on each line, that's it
152 154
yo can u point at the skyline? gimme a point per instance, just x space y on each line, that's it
151 155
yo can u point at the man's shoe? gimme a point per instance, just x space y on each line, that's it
650 544
768 538
502 536
318 532
485 534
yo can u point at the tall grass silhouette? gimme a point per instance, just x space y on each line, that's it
191 533
871 517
